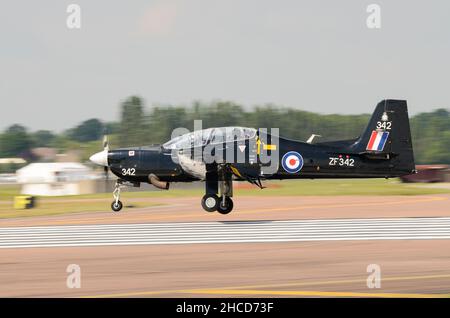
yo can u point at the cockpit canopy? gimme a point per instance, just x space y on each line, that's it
210 136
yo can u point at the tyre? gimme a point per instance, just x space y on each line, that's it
227 208
210 202
116 207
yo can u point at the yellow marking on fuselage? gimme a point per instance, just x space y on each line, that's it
236 172
270 147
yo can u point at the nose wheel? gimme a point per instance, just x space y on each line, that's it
116 206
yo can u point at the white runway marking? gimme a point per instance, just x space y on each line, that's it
226 232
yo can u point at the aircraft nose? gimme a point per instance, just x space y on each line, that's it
100 158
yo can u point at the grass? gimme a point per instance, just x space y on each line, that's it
46 207
274 188
7 192
101 201
346 187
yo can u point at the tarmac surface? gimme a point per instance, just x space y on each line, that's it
267 247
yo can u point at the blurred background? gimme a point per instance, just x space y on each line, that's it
45 162
137 71
72 71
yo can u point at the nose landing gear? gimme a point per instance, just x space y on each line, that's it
117 205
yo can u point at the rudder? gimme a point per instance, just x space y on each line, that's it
388 136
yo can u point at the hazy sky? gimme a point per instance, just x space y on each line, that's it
312 55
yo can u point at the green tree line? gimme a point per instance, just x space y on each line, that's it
141 125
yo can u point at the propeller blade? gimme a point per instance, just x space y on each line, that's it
105 142
106 148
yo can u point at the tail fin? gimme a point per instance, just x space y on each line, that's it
388 136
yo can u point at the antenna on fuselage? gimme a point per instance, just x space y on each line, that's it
310 139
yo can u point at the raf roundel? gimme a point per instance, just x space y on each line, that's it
292 162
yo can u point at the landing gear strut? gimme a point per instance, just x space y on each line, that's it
218 181
117 205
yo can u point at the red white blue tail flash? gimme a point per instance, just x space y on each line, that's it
377 140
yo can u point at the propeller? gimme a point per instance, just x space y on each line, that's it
101 159
105 141
106 149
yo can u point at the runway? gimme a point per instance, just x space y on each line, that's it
300 247
226 232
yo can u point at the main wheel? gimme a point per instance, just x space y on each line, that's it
227 208
210 202
116 207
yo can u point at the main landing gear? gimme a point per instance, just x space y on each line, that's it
219 190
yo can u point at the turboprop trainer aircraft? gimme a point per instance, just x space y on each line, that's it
219 156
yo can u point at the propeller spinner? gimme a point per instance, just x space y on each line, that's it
101 158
